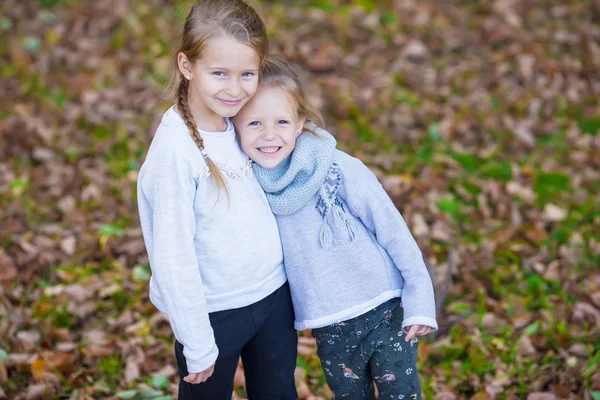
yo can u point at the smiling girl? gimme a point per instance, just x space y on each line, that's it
356 274
202 210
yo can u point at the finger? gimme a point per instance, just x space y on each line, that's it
208 374
411 333
211 371
200 378
423 330
189 378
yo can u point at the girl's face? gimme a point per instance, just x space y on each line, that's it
268 126
223 79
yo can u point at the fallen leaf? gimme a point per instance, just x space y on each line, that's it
554 213
525 346
132 370
8 271
29 336
3 373
541 396
67 245
39 391
419 226
38 368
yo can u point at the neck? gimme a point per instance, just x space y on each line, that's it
205 118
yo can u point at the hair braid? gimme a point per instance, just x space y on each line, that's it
184 110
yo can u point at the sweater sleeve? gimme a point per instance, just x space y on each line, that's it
368 201
166 202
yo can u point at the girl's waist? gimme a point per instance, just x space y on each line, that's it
313 317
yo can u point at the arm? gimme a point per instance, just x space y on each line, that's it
367 200
168 189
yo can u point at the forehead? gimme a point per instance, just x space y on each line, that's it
229 53
270 101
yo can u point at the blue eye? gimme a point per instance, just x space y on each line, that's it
248 74
254 123
283 121
218 73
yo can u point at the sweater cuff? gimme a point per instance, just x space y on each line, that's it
426 321
204 363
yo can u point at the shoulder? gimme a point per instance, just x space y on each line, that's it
172 148
173 141
354 170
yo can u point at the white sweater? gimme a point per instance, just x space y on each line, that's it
207 252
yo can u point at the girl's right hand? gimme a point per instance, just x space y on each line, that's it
200 377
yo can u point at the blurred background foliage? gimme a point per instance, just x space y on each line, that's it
480 118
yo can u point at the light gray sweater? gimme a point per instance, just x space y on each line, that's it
207 252
375 260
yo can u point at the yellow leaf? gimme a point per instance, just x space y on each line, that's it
52 37
38 368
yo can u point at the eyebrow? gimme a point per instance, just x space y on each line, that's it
261 116
228 70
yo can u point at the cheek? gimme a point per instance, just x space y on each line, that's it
290 137
208 85
250 87
246 140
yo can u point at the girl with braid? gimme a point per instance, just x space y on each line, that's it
212 240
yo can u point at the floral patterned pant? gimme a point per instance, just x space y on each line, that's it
370 348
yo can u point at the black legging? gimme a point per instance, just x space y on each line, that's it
263 335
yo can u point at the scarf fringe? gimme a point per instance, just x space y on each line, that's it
326 236
339 214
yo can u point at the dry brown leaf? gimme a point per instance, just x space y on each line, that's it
67 245
132 370
39 391
525 346
541 396
29 336
481 396
419 227
8 271
445 395
3 373
441 231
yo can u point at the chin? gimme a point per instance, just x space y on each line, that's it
268 163
229 113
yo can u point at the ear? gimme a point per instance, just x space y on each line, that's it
300 126
185 66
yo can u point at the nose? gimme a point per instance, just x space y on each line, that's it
268 133
234 88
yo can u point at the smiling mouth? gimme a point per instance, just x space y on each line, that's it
270 151
230 103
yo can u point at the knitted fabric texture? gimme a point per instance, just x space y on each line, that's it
310 169
291 184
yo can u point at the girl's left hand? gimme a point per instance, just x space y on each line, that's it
416 330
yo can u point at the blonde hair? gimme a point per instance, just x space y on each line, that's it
210 18
276 72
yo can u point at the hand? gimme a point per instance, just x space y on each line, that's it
416 330
200 377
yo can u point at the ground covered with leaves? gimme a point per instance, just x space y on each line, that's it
481 119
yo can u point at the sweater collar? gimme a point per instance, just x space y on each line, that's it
295 181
